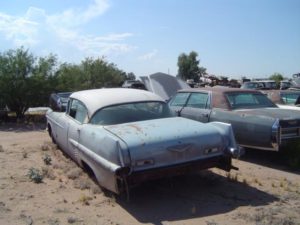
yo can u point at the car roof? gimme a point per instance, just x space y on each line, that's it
99 98
218 99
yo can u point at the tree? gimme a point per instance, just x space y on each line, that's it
188 66
24 79
90 73
277 77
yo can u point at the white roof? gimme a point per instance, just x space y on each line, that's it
98 98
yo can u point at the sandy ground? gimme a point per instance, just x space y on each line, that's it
263 191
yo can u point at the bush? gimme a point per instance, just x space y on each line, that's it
47 159
35 175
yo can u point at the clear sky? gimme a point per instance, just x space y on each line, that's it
234 38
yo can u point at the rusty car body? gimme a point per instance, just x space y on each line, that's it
286 99
125 136
256 121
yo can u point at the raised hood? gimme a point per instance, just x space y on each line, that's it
162 142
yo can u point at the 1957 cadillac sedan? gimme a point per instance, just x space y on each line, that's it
256 121
125 136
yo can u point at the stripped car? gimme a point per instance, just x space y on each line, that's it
256 121
286 99
125 136
58 101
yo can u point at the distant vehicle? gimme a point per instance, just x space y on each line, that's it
136 84
126 136
254 85
260 85
286 99
285 85
59 101
256 121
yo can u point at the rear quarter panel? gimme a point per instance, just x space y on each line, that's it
251 130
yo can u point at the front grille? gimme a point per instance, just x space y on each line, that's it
289 132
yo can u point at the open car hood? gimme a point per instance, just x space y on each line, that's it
163 84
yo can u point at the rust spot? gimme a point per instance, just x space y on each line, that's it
135 127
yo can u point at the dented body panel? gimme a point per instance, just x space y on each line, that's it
131 152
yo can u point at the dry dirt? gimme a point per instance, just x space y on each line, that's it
263 191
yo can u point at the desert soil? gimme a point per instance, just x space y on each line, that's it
263 191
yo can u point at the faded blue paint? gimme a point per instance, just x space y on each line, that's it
168 141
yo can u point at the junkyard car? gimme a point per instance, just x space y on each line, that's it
125 136
256 121
58 101
286 99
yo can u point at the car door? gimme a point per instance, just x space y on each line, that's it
197 107
178 102
78 116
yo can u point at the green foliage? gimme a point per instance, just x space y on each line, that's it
90 73
277 77
47 159
27 81
24 79
188 66
35 175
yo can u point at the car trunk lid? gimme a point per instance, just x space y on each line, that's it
169 141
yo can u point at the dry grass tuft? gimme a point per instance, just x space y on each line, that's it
48 173
74 173
82 183
85 199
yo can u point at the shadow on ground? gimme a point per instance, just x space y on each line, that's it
191 196
271 159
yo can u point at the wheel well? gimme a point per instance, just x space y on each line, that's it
88 169
49 129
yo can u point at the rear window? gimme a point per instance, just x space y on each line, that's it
131 112
248 100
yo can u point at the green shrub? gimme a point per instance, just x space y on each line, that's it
47 159
35 175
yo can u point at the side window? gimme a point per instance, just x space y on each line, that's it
198 100
77 110
179 99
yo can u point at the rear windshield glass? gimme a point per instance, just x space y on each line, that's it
248 100
131 112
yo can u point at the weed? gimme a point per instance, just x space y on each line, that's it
1 148
245 181
74 173
45 147
82 183
232 177
47 159
85 199
49 173
35 175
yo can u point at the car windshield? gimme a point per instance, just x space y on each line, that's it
241 100
131 112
